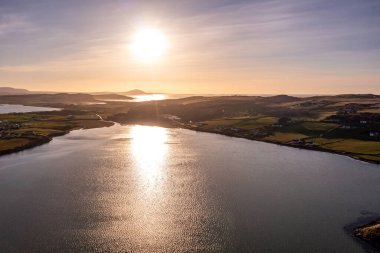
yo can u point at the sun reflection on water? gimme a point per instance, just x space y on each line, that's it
149 152
149 97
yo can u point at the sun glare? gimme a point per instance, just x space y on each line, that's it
148 44
149 151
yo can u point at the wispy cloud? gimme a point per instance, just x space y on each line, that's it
13 23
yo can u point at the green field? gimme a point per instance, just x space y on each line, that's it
245 123
11 144
285 137
319 126
350 145
40 131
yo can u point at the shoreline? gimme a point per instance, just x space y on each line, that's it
351 155
39 142
351 230
230 134
35 142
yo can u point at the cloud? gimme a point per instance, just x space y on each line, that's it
12 23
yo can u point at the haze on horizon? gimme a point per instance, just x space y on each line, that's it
225 46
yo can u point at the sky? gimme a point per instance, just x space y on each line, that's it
214 46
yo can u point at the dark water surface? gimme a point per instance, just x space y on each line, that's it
150 189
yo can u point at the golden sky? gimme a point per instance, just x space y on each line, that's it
219 47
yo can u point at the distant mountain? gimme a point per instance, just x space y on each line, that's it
13 91
279 99
135 92
42 99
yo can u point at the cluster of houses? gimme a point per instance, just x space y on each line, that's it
227 129
301 142
10 135
6 135
5 125
6 130
259 132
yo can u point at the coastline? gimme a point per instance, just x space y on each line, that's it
47 139
237 135
351 230
351 155
35 142
176 124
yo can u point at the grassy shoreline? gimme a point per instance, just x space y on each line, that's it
21 131
351 155
167 124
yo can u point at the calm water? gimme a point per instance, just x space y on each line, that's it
5 108
150 189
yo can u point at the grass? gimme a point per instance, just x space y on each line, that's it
285 137
370 110
349 145
11 144
87 124
344 102
221 122
310 128
369 157
50 124
319 126
324 114
246 123
357 146
41 131
267 120
17 117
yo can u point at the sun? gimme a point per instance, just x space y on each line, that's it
148 45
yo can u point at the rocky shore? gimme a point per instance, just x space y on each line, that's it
370 233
